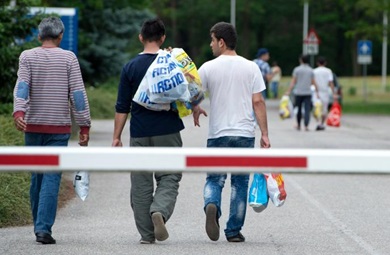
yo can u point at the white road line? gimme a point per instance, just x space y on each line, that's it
336 222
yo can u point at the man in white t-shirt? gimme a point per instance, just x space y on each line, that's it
324 79
236 105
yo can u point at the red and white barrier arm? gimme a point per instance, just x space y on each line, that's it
193 159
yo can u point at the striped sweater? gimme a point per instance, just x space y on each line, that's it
48 88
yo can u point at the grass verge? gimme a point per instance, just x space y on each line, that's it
15 187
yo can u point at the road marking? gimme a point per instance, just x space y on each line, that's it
336 222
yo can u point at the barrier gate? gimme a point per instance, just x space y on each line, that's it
193 159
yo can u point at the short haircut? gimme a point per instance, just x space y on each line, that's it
227 32
153 30
305 59
50 28
321 60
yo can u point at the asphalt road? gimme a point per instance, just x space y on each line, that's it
323 213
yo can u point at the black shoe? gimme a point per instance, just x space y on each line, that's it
45 238
237 238
212 225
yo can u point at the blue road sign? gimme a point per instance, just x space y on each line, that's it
364 49
69 17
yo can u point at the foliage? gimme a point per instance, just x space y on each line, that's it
104 47
15 26
102 100
105 29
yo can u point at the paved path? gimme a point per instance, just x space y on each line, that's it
323 214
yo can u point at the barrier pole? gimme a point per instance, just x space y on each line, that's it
193 159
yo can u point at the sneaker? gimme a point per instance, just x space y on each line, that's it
146 241
212 225
160 231
236 239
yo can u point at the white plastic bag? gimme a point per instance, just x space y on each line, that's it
163 83
81 184
275 188
258 196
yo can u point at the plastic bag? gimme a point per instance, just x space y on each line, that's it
334 116
285 108
81 184
317 109
192 76
163 84
258 196
275 188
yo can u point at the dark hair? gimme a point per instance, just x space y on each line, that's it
227 32
321 60
152 30
305 59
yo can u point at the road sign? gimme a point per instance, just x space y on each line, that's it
364 48
69 17
311 43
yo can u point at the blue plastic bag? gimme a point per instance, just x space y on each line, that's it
258 195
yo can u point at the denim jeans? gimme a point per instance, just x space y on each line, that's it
239 186
45 186
306 102
274 88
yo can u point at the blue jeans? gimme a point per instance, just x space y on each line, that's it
274 88
45 186
239 186
303 101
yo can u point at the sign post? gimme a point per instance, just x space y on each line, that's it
364 49
311 45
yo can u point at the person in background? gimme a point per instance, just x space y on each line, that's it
302 79
236 104
48 88
152 207
261 60
277 75
324 79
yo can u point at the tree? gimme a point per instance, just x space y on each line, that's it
108 35
15 27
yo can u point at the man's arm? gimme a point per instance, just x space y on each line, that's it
261 117
120 121
292 84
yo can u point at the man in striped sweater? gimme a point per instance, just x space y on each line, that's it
48 88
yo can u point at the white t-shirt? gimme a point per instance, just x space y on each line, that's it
231 81
323 76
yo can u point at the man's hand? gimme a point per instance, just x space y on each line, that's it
264 142
117 143
20 124
83 139
196 112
